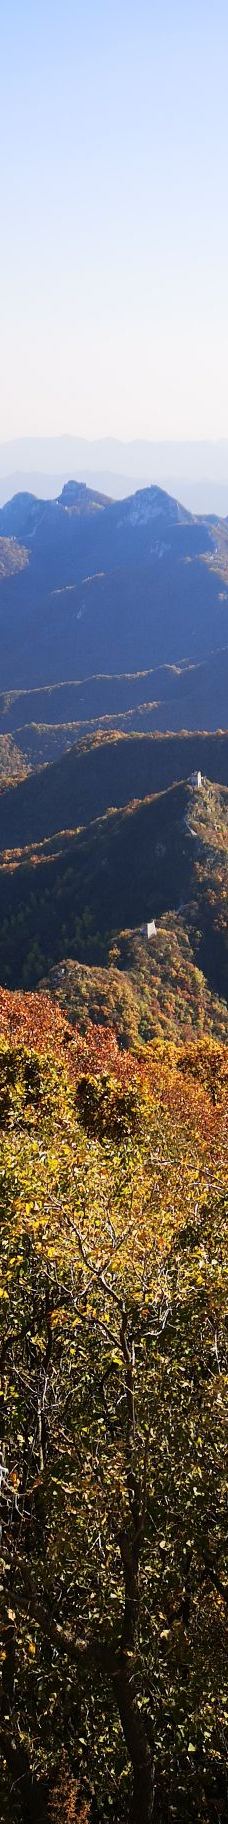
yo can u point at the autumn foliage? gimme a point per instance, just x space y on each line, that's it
65 1804
113 1298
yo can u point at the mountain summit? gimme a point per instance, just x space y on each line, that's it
77 498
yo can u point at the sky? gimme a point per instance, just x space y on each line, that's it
113 218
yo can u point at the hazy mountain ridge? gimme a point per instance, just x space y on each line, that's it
168 698
195 470
25 513
136 584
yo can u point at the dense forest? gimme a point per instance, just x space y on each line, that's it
114 1367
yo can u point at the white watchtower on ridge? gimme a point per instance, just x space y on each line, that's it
151 929
196 779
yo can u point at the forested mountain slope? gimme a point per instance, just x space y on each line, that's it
175 982
70 893
14 765
147 990
103 771
13 557
190 695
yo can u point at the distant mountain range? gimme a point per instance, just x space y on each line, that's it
196 472
113 683
106 589
113 625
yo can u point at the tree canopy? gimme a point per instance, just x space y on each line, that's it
114 1377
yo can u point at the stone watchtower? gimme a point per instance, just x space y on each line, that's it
196 780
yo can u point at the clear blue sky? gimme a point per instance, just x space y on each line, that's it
113 213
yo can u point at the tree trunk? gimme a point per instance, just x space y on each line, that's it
137 1744
137 1734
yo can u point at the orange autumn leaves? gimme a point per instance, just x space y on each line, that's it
99 1143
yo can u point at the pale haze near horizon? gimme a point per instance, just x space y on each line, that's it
114 280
